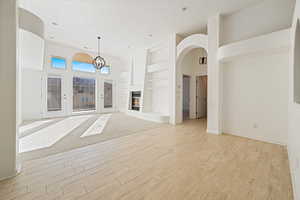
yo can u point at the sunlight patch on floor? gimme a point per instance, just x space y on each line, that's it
98 126
33 125
50 135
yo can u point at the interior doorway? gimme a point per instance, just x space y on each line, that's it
201 97
186 80
192 78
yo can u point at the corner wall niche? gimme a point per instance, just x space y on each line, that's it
297 64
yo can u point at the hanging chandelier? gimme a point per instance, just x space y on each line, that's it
99 62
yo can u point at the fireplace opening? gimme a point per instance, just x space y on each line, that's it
135 100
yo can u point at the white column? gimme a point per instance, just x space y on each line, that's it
172 77
9 88
214 78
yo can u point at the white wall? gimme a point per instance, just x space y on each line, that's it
32 94
138 67
265 17
190 66
294 109
31 54
31 59
31 51
160 92
9 89
214 71
255 97
123 93
160 98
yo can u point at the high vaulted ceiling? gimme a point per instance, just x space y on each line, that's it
125 23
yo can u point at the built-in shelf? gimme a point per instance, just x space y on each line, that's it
269 43
163 66
149 76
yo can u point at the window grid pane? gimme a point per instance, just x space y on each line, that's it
84 94
108 95
54 94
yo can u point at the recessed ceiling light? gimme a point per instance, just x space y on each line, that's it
184 9
54 24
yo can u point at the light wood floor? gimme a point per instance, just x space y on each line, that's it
168 163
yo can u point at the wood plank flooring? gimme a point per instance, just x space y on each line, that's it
167 163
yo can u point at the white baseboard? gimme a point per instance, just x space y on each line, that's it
262 139
292 174
215 132
11 176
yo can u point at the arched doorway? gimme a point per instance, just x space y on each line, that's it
192 49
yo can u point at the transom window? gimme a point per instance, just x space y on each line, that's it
58 63
83 67
83 62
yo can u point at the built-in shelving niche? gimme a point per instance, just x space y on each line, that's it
297 64
156 86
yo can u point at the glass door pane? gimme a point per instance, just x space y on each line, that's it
108 95
54 94
84 94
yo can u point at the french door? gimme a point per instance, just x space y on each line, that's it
107 96
56 96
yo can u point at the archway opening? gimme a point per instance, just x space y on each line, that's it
191 78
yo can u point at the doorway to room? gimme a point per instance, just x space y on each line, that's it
186 97
201 97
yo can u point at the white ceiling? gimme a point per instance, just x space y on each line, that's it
124 23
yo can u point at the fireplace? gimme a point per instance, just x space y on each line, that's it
135 100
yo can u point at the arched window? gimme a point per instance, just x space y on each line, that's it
83 62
